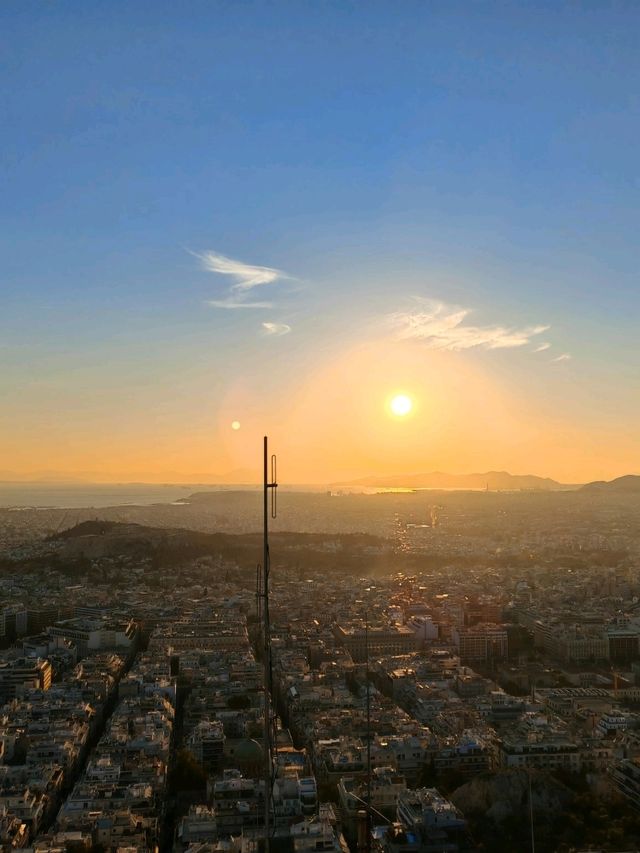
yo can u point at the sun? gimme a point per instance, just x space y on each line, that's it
401 405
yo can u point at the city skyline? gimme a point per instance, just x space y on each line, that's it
221 222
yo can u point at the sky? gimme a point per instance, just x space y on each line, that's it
282 214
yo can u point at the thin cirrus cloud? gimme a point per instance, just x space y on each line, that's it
442 326
234 304
566 356
244 278
542 347
276 329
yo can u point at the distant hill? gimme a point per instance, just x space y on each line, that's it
95 539
493 480
629 484
168 546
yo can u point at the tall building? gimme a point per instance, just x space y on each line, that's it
623 644
481 643
380 639
22 673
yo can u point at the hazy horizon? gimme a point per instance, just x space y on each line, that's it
250 480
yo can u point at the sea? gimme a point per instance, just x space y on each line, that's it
77 495
86 495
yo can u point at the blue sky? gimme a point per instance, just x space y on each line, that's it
480 156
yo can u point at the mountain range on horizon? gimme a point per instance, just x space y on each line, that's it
491 480
628 484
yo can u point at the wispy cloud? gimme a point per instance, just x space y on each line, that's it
566 356
542 347
276 329
232 304
245 276
443 326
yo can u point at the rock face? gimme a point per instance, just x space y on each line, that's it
506 795
96 539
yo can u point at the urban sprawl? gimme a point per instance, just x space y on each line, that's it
459 674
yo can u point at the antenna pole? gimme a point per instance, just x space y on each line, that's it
533 838
269 745
366 649
259 594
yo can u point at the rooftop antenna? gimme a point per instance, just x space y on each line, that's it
269 485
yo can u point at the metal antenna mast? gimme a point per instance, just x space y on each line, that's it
533 838
269 484
259 594
366 644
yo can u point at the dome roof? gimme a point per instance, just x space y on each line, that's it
249 751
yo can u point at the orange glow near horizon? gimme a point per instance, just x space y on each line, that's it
331 422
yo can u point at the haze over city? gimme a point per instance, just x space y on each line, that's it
226 220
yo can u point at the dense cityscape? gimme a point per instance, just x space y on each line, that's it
466 678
